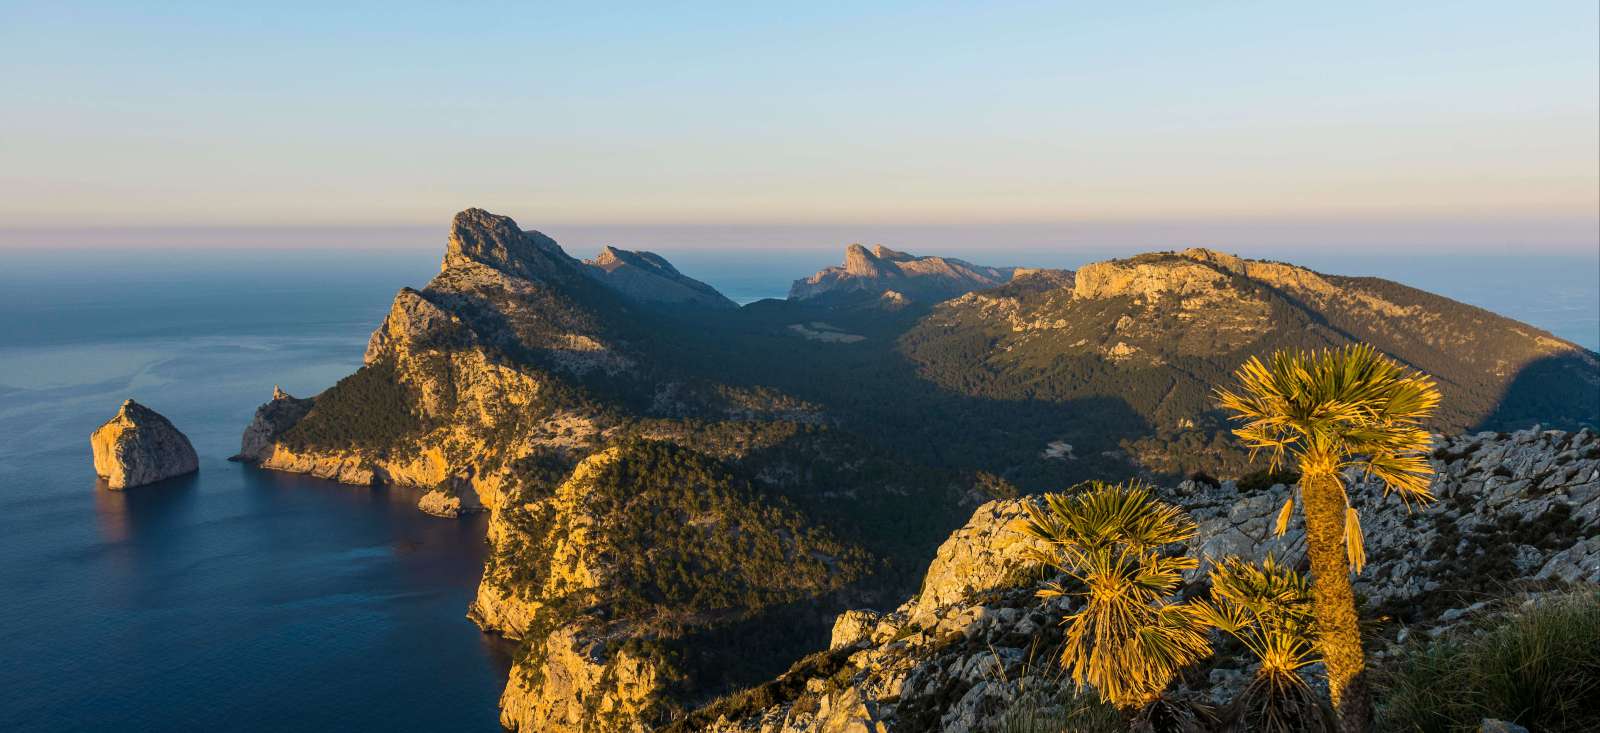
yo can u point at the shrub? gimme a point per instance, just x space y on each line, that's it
1130 638
1538 667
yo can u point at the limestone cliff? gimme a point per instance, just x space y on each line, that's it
879 270
139 446
650 278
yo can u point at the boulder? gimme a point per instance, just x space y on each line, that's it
138 446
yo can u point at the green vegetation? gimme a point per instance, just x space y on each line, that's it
1267 609
1538 667
368 410
1325 412
1130 638
680 537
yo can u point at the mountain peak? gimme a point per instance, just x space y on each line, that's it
478 236
881 269
649 277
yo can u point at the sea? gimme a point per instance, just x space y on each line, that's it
246 600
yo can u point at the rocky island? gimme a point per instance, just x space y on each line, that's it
139 446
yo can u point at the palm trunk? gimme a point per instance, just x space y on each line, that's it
1338 635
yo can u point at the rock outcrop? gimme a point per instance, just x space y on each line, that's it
139 446
975 645
272 419
875 272
649 278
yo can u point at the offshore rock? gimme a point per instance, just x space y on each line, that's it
138 447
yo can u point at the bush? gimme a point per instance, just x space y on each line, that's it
1539 668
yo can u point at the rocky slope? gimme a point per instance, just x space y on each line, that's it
650 278
975 647
139 446
879 271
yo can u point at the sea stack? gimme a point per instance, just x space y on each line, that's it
138 447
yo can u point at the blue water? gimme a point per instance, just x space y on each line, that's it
245 600
236 599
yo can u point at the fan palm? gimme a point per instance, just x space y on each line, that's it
1324 412
1128 639
1267 608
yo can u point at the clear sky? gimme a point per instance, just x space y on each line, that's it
1447 116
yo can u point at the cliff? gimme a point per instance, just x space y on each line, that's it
139 446
875 272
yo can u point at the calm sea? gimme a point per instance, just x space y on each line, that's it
244 600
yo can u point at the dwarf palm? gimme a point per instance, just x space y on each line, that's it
1267 608
1324 412
1129 639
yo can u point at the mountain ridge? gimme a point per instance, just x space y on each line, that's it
515 370
874 272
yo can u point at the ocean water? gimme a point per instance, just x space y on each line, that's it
234 599
246 600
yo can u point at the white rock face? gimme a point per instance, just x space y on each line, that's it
138 447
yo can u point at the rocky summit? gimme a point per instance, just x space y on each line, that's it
875 272
139 446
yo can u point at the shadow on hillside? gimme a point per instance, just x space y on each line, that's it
1554 391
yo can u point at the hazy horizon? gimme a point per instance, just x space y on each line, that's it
1375 120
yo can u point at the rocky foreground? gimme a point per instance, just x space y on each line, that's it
975 646
139 446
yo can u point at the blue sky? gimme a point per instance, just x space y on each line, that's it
1441 115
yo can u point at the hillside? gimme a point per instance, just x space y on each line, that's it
1157 332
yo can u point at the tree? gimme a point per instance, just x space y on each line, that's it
1324 412
1129 639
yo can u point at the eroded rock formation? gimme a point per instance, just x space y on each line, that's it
139 446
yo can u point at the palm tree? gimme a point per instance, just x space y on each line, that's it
1267 608
1324 412
1129 639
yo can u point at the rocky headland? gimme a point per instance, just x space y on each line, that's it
139 446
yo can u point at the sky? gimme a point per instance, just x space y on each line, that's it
1427 125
